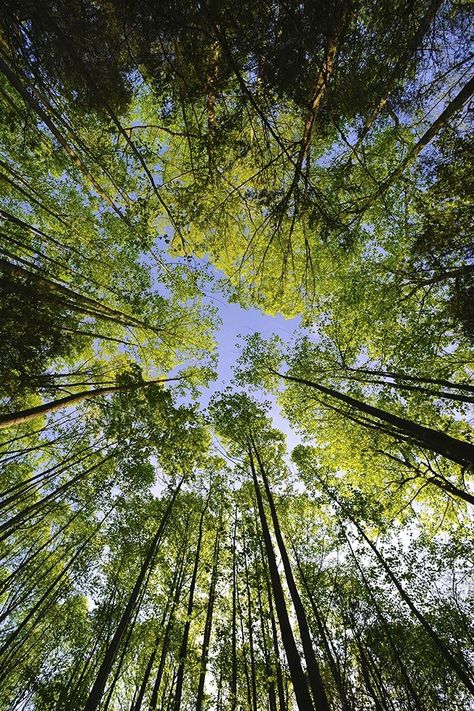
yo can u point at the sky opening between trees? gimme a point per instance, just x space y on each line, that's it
236 356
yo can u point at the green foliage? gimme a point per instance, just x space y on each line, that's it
306 159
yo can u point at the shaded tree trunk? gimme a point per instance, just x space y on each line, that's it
208 623
455 449
97 690
333 664
460 667
19 418
396 652
400 67
450 110
314 673
166 637
183 651
276 646
300 685
416 379
233 682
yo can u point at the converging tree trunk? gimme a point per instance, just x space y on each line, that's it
97 690
459 666
183 651
209 616
314 673
300 684
19 418
455 449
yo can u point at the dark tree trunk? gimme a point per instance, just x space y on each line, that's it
37 606
43 115
137 703
184 642
276 647
458 451
166 637
268 667
97 690
208 623
300 685
416 379
435 479
233 682
450 110
19 418
333 665
10 526
396 652
400 67
423 389
250 634
314 673
458 666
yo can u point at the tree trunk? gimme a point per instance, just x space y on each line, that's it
268 667
436 479
70 298
208 623
233 681
250 634
19 418
166 637
451 109
300 685
451 660
333 665
396 652
314 673
184 642
38 109
400 67
36 607
276 647
8 527
457 450
97 690
459 667
416 379
320 87
442 394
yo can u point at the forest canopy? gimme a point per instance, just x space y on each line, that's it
163 544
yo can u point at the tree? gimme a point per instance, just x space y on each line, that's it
306 159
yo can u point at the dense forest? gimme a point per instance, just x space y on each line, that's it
307 159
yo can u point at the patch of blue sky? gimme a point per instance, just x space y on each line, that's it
236 324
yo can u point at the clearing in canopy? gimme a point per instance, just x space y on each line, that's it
195 522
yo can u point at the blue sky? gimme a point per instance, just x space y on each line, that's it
236 322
